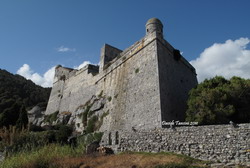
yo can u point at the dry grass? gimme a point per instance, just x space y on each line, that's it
9 135
133 160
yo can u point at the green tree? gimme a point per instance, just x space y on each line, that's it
23 120
240 93
218 101
63 133
15 92
10 115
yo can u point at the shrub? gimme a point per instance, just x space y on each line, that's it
91 124
89 138
97 136
109 98
90 113
99 123
85 115
137 70
11 134
51 117
16 140
100 94
63 133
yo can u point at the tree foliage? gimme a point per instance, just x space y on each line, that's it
22 120
16 96
218 101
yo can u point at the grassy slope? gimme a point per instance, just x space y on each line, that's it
56 156
130 160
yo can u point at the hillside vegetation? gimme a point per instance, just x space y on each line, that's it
17 95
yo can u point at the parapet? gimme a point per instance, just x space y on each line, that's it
64 73
108 53
89 68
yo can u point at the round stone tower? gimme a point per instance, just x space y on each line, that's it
154 25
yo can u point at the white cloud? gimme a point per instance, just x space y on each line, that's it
45 80
228 59
82 65
65 49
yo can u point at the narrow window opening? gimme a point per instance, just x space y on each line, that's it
110 139
117 138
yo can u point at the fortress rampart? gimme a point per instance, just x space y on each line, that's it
146 83
133 92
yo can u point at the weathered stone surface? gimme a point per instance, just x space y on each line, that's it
64 117
98 104
36 116
202 142
144 85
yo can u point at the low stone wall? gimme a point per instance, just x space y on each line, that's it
223 143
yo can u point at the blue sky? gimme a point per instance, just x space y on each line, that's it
37 35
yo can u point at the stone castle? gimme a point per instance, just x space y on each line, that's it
137 88
132 93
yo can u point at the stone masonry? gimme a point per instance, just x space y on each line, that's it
223 143
132 93
145 84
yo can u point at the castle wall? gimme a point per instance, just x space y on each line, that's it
69 93
223 143
77 91
61 75
55 97
132 83
177 77
143 85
